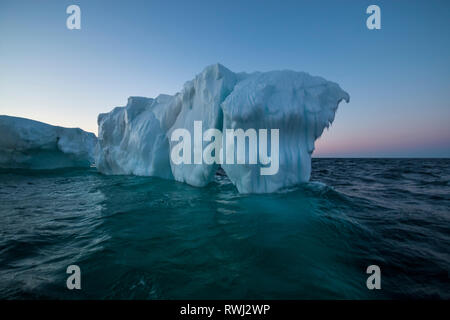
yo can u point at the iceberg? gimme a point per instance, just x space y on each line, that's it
138 138
30 144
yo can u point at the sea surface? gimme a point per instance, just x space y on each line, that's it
148 238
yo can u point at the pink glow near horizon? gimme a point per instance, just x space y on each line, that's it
369 146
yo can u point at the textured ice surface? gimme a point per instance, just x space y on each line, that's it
32 144
132 139
297 104
200 101
135 139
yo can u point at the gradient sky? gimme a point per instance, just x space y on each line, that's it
398 77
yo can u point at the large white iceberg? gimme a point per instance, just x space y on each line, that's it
30 144
136 139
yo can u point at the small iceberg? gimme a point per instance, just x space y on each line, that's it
30 144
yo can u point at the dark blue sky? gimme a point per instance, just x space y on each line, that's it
397 77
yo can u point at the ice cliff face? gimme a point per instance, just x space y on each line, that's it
201 100
297 104
136 139
133 140
31 144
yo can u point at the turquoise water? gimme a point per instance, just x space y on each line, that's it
148 238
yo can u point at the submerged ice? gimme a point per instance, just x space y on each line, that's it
30 144
136 138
